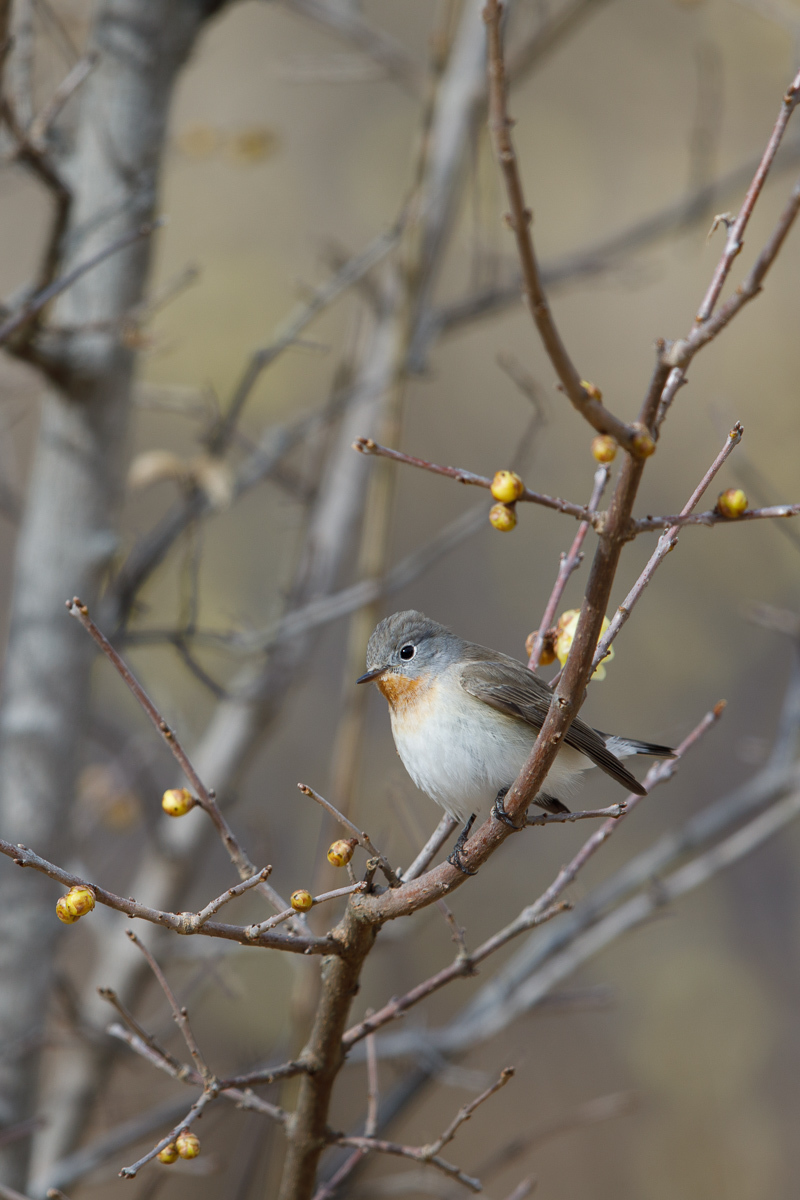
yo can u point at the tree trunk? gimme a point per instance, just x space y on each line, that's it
68 531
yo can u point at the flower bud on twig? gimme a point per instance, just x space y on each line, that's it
503 517
169 1154
732 503
565 634
507 487
176 802
187 1144
340 852
301 900
77 903
63 913
604 448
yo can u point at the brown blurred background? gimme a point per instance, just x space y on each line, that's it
283 142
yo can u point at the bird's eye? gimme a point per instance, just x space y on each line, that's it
408 651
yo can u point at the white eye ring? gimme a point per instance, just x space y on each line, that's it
407 652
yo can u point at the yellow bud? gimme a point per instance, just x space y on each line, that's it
548 654
340 853
565 635
79 901
507 486
604 448
63 913
503 517
732 503
169 1154
592 390
301 900
176 802
643 445
187 1144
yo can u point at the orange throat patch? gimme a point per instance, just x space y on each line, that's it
402 693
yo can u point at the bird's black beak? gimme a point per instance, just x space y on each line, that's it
370 675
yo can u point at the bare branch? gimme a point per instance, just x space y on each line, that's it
206 797
37 302
431 848
569 563
666 544
184 923
179 1014
734 241
368 446
585 399
360 835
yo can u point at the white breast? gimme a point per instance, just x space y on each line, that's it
462 752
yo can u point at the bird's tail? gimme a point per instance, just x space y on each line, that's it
624 747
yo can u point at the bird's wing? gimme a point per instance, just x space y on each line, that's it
512 689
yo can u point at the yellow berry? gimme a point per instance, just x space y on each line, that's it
79 901
187 1144
169 1154
643 445
507 486
63 913
301 900
176 802
732 503
340 853
604 448
503 517
592 390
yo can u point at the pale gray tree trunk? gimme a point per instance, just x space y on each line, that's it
68 530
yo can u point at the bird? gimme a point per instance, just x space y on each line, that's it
465 718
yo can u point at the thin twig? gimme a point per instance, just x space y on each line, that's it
431 848
362 837
614 812
206 797
466 1112
733 243
368 446
37 302
289 330
645 524
589 405
666 543
194 1112
184 923
413 1152
461 967
180 1015
569 563
239 889
254 932
39 126
178 1069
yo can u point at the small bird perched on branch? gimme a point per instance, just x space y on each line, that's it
465 718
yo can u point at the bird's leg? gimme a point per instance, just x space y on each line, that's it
455 858
499 812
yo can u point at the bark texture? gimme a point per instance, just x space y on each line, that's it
68 530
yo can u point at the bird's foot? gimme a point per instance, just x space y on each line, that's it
499 812
455 857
